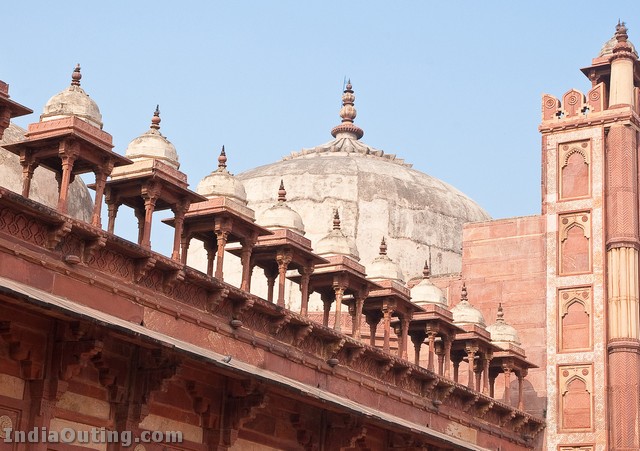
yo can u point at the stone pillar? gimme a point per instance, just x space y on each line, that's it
149 207
101 182
179 211
283 259
486 359
112 208
326 304
471 356
521 375
211 255
185 242
271 282
357 315
447 354
455 360
68 158
372 319
28 167
404 336
621 220
417 340
139 214
222 236
339 291
506 369
431 337
245 260
387 310
305 272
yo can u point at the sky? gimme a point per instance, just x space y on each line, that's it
452 87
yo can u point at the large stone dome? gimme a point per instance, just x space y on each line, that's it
377 195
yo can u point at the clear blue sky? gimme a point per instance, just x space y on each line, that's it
452 87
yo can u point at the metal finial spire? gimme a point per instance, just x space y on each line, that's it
336 219
383 247
282 193
76 76
426 272
500 314
155 120
222 160
463 296
348 114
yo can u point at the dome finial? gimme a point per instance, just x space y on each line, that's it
463 295
336 219
383 247
222 160
500 314
621 32
76 76
426 272
282 193
155 120
348 113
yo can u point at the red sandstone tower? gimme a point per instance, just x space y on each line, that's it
590 205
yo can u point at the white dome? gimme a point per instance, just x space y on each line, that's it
336 242
281 216
73 101
222 183
465 313
382 267
152 144
502 332
377 194
426 292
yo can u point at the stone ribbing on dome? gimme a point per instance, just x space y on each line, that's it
382 267
336 242
425 292
153 145
503 333
222 183
465 313
281 216
73 101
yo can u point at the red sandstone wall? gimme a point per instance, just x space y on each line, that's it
504 261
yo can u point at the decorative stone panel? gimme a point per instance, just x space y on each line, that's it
574 168
575 397
574 243
575 319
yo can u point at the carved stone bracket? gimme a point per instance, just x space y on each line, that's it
92 246
520 422
344 431
143 266
483 408
242 405
215 298
469 403
76 355
278 323
239 307
302 332
334 347
57 233
304 432
20 350
171 278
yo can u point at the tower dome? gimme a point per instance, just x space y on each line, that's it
376 193
336 242
465 313
382 267
152 144
73 101
222 183
280 215
425 292
607 47
503 333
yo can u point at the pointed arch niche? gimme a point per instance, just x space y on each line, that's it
574 170
575 243
575 397
574 319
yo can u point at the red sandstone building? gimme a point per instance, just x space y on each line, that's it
97 332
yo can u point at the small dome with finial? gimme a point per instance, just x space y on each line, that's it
153 145
336 242
620 35
382 267
73 101
222 183
348 113
465 313
503 333
426 292
281 216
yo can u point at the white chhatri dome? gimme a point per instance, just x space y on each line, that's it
503 333
336 242
377 195
426 292
222 183
465 313
153 145
382 267
73 101
281 216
